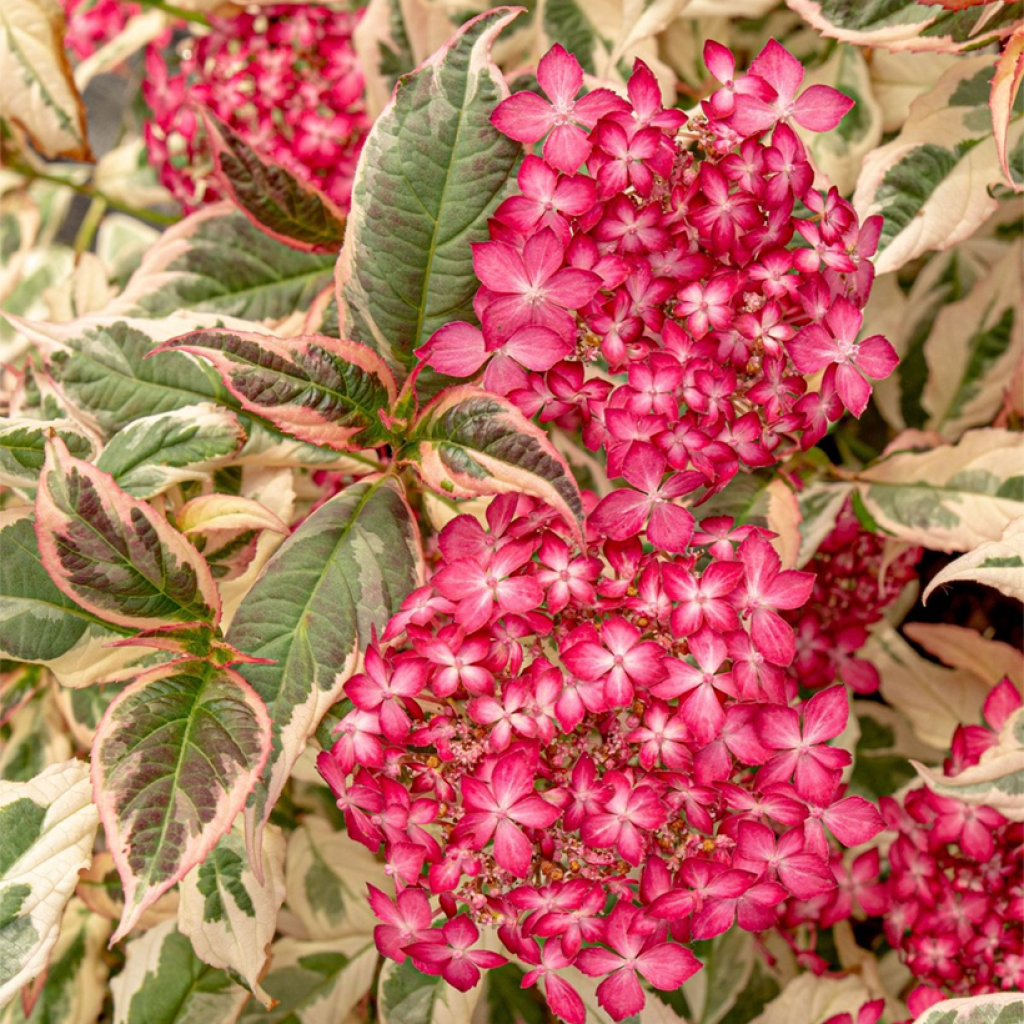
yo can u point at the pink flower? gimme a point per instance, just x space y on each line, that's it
627 812
619 659
835 343
785 859
407 919
531 288
526 117
497 808
623 513
819 108
635 949
547 199
451 955
801 754
705 599
389 690
562 998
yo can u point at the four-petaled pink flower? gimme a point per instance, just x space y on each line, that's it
627 810
620 659
527 117
451 955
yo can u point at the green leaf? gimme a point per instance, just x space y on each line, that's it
34 739
468 443
156 452
431 173
318 389
216 261
114 555
164 982
728 963
47 830
997 1008
230 915
326 878
906 25
174 759
40 623
951 497
316 982
344 571
75 984
23 444
405 996
277 202
17 685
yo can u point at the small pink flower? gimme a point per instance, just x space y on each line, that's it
451 954
407 919
619 659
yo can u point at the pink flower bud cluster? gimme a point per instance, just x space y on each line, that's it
690 303
956 881
599 752
285 78
91 23
853 586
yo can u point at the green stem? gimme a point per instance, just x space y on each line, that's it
177 12
94 193
90 222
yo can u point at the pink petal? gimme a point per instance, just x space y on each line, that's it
826 715
566 148
853 389
512 850
596 104
620 515
790 589
854 820
820 108
560 76
773 637
500 267
456 349
780 69
524 116
564 1000
812 349
621 995
596 961
667 966
876 357
670 527
719 60
573 288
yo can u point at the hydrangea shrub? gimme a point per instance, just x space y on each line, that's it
469 565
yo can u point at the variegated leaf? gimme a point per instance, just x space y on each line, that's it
820 503
897 80
965 648
216 261
23 443
406 996
467 443
728 964
316 982
83 708
18 683
48 827
931 183
99 888
75 984
40 96
996 563
947 497
1002 100
164 982
934 699
287 209
315 388
326 878
34 739
101 367
157 452
41 624
343 572
996 1008
174 759
810 999
406 268
114 555
228 914
906 25
997 780
973 348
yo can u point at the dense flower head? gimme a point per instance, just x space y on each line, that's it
91 23
595 744
857 575
955 891
285 78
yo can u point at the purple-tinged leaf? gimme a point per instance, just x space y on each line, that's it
317 389
275 200
342 573
174 759
468 443
113 554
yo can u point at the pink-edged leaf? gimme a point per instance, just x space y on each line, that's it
1005 89
113 554
318 389
468 443
277 202
175 756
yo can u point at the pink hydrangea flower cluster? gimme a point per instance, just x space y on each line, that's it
285 78
91 23
691 303
597 748
853 585
956 882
